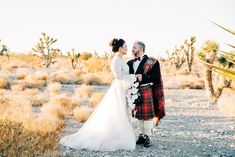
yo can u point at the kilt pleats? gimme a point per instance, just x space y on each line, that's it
144 109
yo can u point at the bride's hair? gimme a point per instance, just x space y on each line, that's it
116 44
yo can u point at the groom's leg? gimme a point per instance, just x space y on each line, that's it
141 125
148 125
141 139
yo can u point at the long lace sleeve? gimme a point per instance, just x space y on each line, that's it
120 73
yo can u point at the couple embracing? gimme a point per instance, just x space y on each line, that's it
137 86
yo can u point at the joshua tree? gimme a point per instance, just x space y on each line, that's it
4 50
73 56
189 49
207 53
219 62
169 57
177 57
44 48
183 54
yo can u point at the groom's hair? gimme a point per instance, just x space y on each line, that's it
141 44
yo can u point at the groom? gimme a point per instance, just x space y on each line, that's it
150 104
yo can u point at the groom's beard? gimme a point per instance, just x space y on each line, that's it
136 54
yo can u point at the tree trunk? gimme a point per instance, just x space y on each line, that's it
208 82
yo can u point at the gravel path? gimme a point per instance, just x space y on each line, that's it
193 126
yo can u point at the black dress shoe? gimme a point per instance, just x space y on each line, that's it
140 140
147 143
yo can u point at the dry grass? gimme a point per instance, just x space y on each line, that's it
39 99
96 98
23 132
91 79
105 77
76 101
21 111
54 110
182 72
41 75
36 97
24 60
15 106
77 72
100 78
21 74
63 100
51 153
184 81
9 67
84 91
17 87
35 81
81 114
16 140
92 71
181 78
4 82
54 88
65 78
95 64
61 106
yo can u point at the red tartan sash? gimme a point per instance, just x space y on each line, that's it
158 93
149 64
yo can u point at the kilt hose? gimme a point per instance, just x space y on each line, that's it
144 108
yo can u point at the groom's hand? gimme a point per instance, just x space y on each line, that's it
156 120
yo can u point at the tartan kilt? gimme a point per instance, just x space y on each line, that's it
144 109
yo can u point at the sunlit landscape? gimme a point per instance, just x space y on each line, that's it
47 91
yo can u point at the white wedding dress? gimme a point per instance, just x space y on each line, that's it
108 128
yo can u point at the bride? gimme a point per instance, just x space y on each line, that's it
108 128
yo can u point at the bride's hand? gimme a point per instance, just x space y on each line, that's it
139 77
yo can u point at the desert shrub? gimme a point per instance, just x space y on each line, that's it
94 64
98 78
18 141
60 106
96 98
84 91
21 75
36 97
17 87
184 81
9 67
23 132
65 78
85 55
54 88
4 82
81 114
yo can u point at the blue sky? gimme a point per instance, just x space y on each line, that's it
88 25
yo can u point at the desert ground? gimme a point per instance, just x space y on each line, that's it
193 126
39 105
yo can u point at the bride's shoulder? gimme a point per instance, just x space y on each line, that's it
116 58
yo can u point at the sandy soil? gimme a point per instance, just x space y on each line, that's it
193 126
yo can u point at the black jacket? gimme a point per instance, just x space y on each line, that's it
154 75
